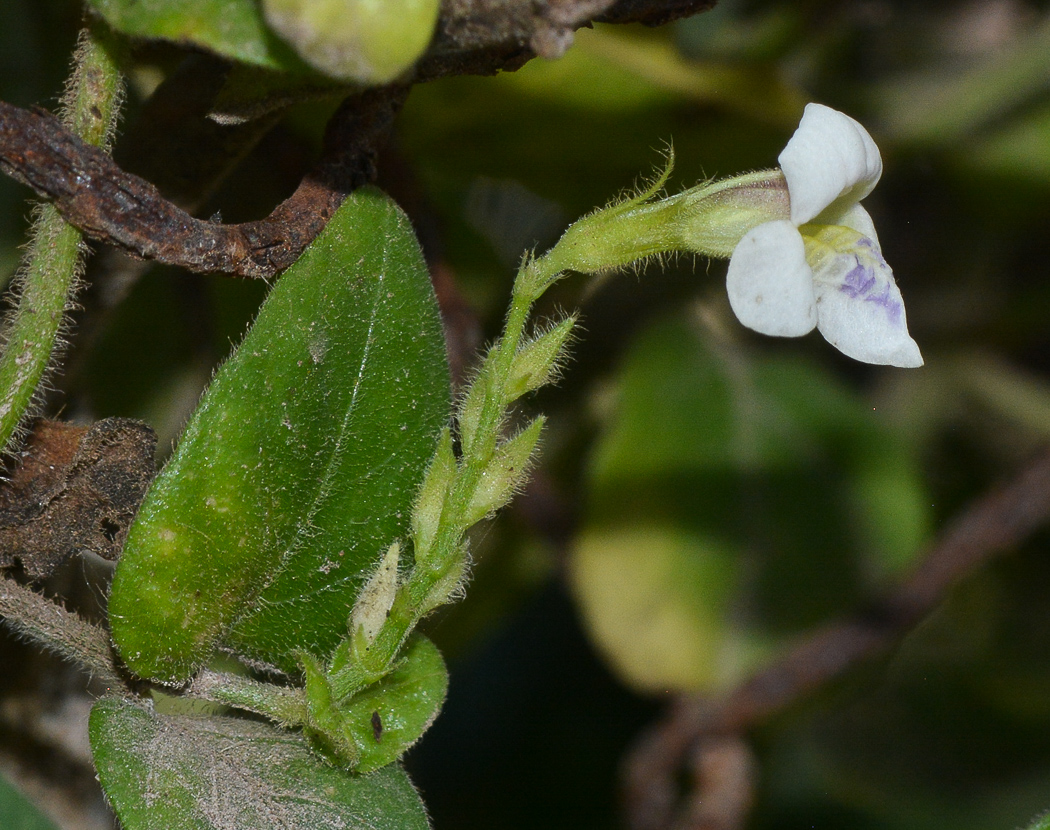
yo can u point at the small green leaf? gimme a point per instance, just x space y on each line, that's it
378 724
179 772
300 466
231 28
18 812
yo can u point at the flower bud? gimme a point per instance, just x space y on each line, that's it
504 474
708 219
537 361
426 515
377 596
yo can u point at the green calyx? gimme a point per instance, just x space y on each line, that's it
709 219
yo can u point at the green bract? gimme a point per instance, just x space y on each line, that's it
299 468
376 726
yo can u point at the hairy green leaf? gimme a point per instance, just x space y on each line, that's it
219 773
377 725
300 466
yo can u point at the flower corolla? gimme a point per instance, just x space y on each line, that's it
823 267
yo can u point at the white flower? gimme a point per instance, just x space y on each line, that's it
823 268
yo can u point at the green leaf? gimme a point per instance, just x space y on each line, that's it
188 773
407 701
301 464
231 28
356 40
18 812
734 503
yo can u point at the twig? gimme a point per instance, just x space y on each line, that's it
108 204
483 37
993 524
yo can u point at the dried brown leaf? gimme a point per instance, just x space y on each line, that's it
75 488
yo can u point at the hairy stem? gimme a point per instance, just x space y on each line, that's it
48 624
55 252
287 706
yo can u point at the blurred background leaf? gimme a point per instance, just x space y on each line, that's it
19 812
734 502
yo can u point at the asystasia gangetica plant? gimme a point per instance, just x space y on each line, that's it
317 506
304 542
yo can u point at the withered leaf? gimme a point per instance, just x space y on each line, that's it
75 488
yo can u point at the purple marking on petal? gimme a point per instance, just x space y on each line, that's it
889 303
861 281
864 242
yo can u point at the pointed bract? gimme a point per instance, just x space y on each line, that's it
377 596
537 361
426 513
505 473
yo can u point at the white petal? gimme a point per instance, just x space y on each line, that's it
860 310
830 161
770 284
860 220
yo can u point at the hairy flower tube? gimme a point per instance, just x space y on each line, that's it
803 253
822 266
